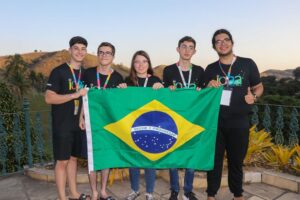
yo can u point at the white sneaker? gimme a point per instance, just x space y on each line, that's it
149 196
133 195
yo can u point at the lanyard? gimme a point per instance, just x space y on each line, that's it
229 70
106 81
76 81
146 81
182 77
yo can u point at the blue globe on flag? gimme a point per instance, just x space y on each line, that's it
154 132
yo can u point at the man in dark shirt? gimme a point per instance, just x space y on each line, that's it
103 77
64 91
183 74
242 86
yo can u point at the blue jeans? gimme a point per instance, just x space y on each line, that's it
188 180
134 174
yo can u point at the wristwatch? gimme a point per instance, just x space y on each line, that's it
255 97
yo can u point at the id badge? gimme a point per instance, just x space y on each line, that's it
226 96
76 106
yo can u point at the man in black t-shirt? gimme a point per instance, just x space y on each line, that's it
64 94
102 77
183 74
242 84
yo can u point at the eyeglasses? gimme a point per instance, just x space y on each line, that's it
105 53
219 42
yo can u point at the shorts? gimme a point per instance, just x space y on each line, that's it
67 144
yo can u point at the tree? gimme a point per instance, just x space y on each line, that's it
12 64
41 81
13 136
8 110
270 85
16 74
32 77
296 73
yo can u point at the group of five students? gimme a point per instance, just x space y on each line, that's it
238 75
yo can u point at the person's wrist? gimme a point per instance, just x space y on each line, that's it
74 95
255 97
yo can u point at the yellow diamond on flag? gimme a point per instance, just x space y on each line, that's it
154 130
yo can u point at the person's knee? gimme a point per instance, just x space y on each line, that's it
73 159
61 164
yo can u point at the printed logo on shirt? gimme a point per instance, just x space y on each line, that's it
233 81
178 84
72 85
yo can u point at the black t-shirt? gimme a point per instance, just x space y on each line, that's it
244 74
61 82
171 75
90 78
141 81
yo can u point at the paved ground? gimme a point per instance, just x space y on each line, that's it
18 186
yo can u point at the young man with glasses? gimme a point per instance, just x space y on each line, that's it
183 74
241 80
102 77
64 91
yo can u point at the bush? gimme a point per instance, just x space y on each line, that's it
262 152
15 144
259 143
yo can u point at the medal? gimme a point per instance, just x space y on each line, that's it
227 77
76 106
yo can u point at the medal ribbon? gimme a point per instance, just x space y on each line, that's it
182 77
229 70
76 81
106 81
146 81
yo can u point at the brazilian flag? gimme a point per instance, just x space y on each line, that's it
142 127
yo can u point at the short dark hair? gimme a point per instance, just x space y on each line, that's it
187 38
78 40
107 44
218 32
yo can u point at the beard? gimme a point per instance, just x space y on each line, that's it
225 54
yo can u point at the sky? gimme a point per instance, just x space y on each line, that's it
268 31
